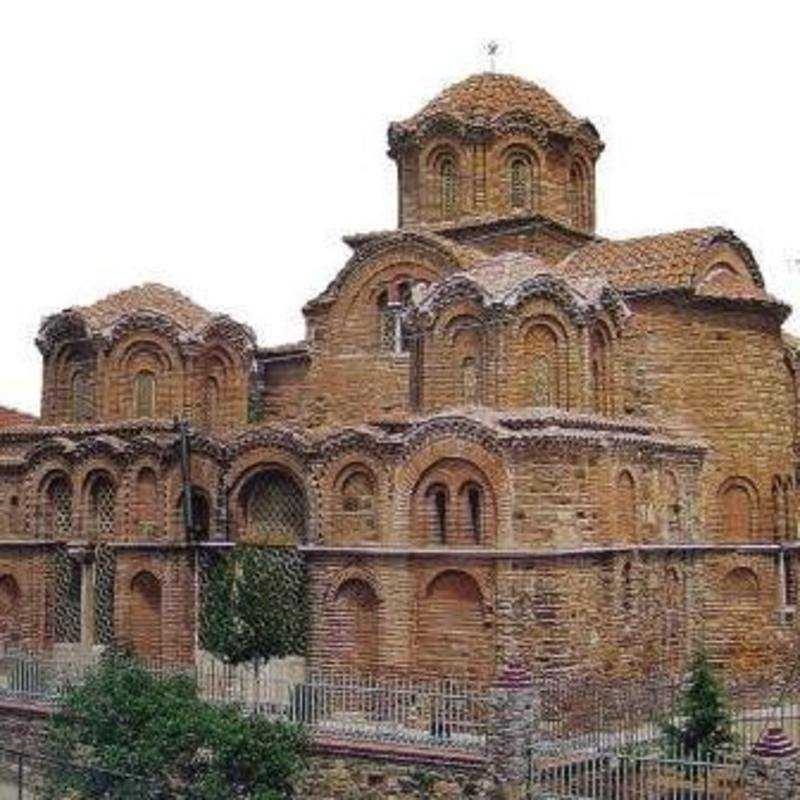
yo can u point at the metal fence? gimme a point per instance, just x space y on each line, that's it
662 774
24 776
450 714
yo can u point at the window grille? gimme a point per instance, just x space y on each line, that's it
82 405
105 568
387 325
103 507
276 510
68 579
447 187
144 395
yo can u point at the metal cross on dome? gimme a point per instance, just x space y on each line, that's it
492 48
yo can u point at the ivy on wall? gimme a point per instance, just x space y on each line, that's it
254 603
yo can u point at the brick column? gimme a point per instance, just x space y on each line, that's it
772 770
513 717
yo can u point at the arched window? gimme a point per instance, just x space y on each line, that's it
522 175
82 405
356 516
472 510
145 509
201 515
740 585
144 390
737 512
778 509
448 186
354 617
542 346
452 635
438 503
577 196
600 354
453 504
102 506
56 508
626 508
275 509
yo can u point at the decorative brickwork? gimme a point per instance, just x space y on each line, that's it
503 438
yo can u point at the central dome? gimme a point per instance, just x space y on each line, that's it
489 95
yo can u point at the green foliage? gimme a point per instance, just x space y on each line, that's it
144 736
255 604
704 727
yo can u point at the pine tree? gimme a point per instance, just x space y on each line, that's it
703 727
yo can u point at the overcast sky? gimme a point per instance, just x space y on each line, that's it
224 148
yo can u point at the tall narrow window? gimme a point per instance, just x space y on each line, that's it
470 391
576 196
437 499
474 506
520 182
144 395
211 402
57 509
447 187
387 334
82 406
790 581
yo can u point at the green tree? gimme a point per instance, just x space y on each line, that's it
255 604
138 735
704 725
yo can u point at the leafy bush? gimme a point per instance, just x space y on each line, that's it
143 736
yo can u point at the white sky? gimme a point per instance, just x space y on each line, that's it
224 147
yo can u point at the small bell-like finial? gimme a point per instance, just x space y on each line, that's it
492 48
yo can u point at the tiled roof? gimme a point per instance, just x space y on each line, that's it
11 418
488 95
501 273
151 297
665 259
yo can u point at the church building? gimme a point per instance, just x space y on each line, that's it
504 436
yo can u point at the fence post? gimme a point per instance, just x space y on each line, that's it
772 769
513 713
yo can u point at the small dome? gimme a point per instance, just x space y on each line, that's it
489 95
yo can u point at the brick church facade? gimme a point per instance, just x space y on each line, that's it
503 435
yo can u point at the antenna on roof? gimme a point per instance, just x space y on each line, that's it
492 48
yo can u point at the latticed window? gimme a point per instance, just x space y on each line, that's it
520 183
56 519
102 507
276 509
144 394
82 405
448 192
790 581
387 323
